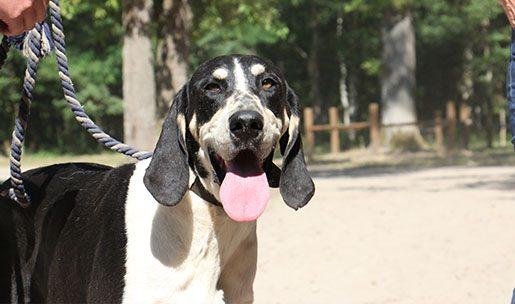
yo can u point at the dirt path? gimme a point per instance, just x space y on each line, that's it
421 236
444 235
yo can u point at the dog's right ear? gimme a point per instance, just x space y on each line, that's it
167 176
296 187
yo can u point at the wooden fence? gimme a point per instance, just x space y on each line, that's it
445 131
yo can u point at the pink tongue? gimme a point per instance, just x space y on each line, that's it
244 196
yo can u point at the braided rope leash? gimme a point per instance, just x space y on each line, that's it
34 53
70 94
36 44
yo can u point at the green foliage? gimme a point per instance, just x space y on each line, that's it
229 26
283 31
94 39
446 30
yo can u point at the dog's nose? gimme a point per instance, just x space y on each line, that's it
246 124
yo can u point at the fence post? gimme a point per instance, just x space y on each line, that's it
502 130
373 120
465 122
308 130
335 136
438 132
451 125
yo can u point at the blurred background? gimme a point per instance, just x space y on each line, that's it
404 126
410 57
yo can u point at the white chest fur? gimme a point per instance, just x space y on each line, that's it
177 254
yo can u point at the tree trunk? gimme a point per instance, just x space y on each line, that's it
466 89
344 95
348 108
314 68
398 80
466 85
139 88
487 86
172 51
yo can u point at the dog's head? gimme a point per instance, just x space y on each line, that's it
224 125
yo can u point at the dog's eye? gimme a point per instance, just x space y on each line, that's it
267 83
213 88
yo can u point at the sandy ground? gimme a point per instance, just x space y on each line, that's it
444 235
421 236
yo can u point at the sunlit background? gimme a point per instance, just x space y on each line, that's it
404 126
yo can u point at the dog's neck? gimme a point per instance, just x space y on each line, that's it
186 246
198 188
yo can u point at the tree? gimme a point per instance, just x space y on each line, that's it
174 30
461 55
398 76
139 89
234 26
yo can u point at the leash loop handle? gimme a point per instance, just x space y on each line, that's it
33 53
36 44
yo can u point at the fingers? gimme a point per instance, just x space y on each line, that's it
29 19
15 26
19 17
40 9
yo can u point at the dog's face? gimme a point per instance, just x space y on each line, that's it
224 125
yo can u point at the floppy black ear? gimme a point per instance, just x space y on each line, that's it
296 186
167 176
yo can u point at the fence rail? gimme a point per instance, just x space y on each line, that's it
445 130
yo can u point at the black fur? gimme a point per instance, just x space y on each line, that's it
273 173
205 105
69 245
296 186
167 176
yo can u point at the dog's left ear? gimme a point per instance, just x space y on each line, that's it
296 186
167 176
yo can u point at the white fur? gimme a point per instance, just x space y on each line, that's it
286 122
293 125
220 73
193 126
181 123
190 253
257 69
239 77
216 133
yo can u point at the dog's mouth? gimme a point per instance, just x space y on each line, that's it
244 191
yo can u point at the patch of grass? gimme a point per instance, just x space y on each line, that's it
45 158
405 142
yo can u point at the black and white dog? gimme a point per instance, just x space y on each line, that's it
179 228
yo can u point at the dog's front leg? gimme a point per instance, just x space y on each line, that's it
238 274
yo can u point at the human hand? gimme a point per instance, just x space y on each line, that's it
509 9
19 16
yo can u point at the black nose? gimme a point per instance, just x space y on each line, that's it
245 124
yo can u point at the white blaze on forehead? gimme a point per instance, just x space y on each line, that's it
257 69
220 73
239 77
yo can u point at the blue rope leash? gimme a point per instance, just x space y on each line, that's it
36 44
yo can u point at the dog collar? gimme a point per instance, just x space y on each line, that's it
201 191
